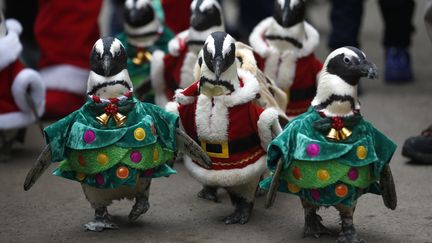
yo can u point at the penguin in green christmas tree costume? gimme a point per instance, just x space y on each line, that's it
114 145
330 156
144 36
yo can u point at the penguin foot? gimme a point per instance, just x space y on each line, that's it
209 193
241 215
238 217
99 225
349 235
314 227
140 207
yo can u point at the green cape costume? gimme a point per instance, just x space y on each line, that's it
328 172
107 156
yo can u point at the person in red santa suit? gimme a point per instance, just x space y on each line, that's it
22 93
220 113
176 69
65 32
285 44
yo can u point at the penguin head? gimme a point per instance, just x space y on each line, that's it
288 13
337 81
3 29
218 67
108 69
206 18
205 14
350 64
141 23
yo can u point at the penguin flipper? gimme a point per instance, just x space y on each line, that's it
39 167
271 195
388 189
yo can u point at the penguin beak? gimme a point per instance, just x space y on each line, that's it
106 65
369 70
218 65
134 15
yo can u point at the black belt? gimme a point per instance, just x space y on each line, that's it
224 149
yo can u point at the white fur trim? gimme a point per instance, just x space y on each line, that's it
174 43
65 77
15 120
157 78
183 99
172 107
14 26
226 178
312 41
10 49
267 120
244 94
281 68
29 79
256 38
211 118
187 70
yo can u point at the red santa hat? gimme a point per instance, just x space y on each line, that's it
188 95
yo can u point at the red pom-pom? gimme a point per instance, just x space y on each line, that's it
114 100
96 99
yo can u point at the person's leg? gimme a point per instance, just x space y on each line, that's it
397 16
345 19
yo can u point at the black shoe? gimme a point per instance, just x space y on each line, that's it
419 148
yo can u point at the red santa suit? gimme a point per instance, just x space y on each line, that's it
177 14
171 72
65 32
232 129
15 82
295 70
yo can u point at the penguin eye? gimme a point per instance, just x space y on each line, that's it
346 60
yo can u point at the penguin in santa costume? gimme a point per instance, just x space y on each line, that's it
285 44
144 33
22 93
176 70
330 155
114 144
219 112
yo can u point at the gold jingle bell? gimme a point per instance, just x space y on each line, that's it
141 57
341 134
119 119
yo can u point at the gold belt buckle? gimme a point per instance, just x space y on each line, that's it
223 155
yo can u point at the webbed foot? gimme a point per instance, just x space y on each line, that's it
209 193
349 235
101 221
240 216
140 207
314 227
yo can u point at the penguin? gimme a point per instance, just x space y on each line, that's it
141 24
219 110
176 70
120 143
285 45
330 155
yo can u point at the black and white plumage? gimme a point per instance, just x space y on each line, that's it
284 38
288 13
223 91
338 81
141 25
108 68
